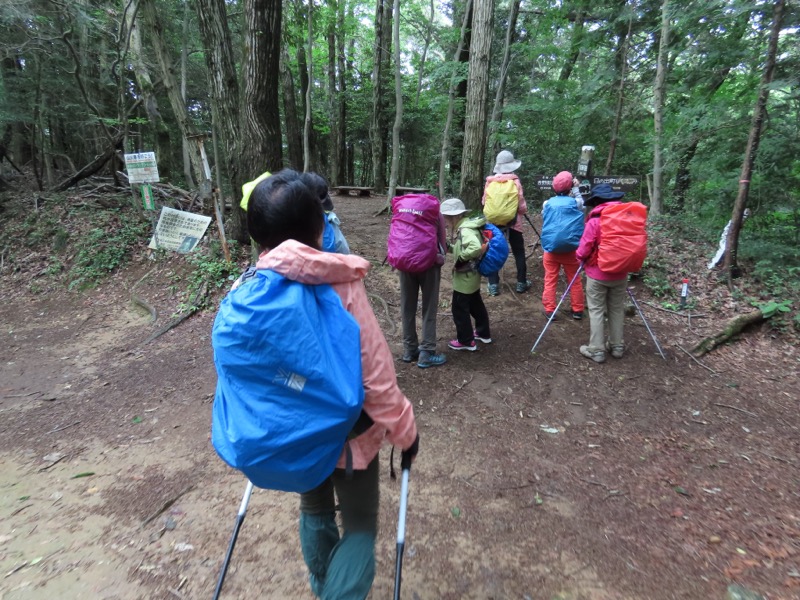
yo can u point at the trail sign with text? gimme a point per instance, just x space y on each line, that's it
617 183
178 230
142 167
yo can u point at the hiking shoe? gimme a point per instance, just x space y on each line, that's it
426 359
597 356
494 289
456 345
523 286
577 315
617 350
410 357
485 340
548 314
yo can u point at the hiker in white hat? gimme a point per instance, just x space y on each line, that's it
504 205
467 246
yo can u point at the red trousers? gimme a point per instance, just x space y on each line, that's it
553 261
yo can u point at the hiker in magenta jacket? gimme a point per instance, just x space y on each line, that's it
286 220
504 168
605 292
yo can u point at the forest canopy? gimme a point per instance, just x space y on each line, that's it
664 91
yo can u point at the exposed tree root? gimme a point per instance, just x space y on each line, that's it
194 305
733 327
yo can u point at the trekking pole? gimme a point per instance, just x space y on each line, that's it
239 520
528 219
553 316
405 463
650 331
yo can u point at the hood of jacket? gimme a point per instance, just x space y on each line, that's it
473 222
302 263
595 212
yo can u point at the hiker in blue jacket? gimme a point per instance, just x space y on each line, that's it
333 239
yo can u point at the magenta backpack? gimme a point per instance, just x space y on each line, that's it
414 233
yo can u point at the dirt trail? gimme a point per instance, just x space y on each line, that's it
539 477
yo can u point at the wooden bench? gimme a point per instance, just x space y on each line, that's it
400 190
346 190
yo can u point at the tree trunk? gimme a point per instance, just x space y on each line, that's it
341 132
294 139
622 51
428 35
93 167
457 151
260 118
658 109
575 43
501 84
187 163
759 112
307 125
224 85
333 106
153 24
443 159
383 23
147 91
398 94
477 92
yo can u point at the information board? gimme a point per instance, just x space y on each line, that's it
141 167
178 230
618 183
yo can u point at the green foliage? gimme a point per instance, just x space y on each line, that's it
208 268
106 246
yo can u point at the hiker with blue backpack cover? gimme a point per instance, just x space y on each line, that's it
562 227
333 239
307 392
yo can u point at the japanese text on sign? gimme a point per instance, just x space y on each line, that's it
141 167
618 184
178 230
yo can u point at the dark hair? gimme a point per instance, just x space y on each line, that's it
283 207
316 183
319 185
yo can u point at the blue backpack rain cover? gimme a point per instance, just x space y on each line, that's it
333 239
562 225
289 389
496 253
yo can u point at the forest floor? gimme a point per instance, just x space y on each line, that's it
543 476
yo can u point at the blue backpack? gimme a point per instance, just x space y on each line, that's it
496 253
562 225
289 388
333 239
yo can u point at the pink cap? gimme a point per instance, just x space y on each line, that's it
562 182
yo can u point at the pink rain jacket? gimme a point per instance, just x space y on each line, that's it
391 411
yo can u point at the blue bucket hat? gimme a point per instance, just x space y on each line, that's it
603 193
